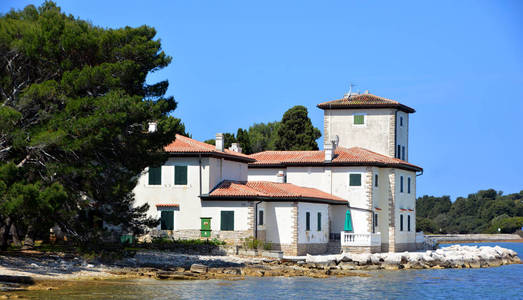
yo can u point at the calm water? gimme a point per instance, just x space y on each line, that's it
504 282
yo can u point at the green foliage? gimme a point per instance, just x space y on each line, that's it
228 139
296 131
263 136
425 225
482 212
190 245
242 137
506 224
252 243
73 122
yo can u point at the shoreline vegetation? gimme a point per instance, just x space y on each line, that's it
34 270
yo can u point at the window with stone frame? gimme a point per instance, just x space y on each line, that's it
355 179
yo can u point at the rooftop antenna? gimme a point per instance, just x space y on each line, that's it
351 85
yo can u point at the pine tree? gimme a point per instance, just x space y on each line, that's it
74 110
296 131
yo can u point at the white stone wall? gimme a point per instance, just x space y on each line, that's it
222 169
187 217
402 133
320 178
380 200
264 174
212 209
405 201
313 235
280 223
373 135
214 170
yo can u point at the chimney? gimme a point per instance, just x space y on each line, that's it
235 147
219 142
152 126
280 177
329 152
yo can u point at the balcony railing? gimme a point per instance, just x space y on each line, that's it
360 239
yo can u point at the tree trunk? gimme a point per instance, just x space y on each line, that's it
14 235
4 234
28 240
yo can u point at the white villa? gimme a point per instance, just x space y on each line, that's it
358 194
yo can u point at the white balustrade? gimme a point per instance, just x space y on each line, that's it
360 239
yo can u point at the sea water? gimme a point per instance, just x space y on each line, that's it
505 282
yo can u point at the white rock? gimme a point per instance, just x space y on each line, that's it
362 259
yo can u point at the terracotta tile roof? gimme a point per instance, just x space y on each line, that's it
269 191
364 101
167 205
185 145
342 156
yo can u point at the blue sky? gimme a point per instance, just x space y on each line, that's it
458 63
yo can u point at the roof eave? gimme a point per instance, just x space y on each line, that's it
212 154
336 164
326 106
207 197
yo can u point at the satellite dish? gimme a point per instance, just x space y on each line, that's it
336 140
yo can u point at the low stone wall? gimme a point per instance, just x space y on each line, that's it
401 247
287 249
362 249
233 237
316 248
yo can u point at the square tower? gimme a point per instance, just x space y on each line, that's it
368 121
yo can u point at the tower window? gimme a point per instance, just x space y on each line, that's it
401 121
376 180
401 184
408 222
398 154
401 222
403 152
359 119
408 185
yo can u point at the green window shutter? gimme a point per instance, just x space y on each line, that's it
155 176
359 119
227 220
180 175
319 221
307 221
167 220
355 180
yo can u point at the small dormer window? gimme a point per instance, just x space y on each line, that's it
359 119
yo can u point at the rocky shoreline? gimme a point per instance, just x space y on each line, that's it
173 266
